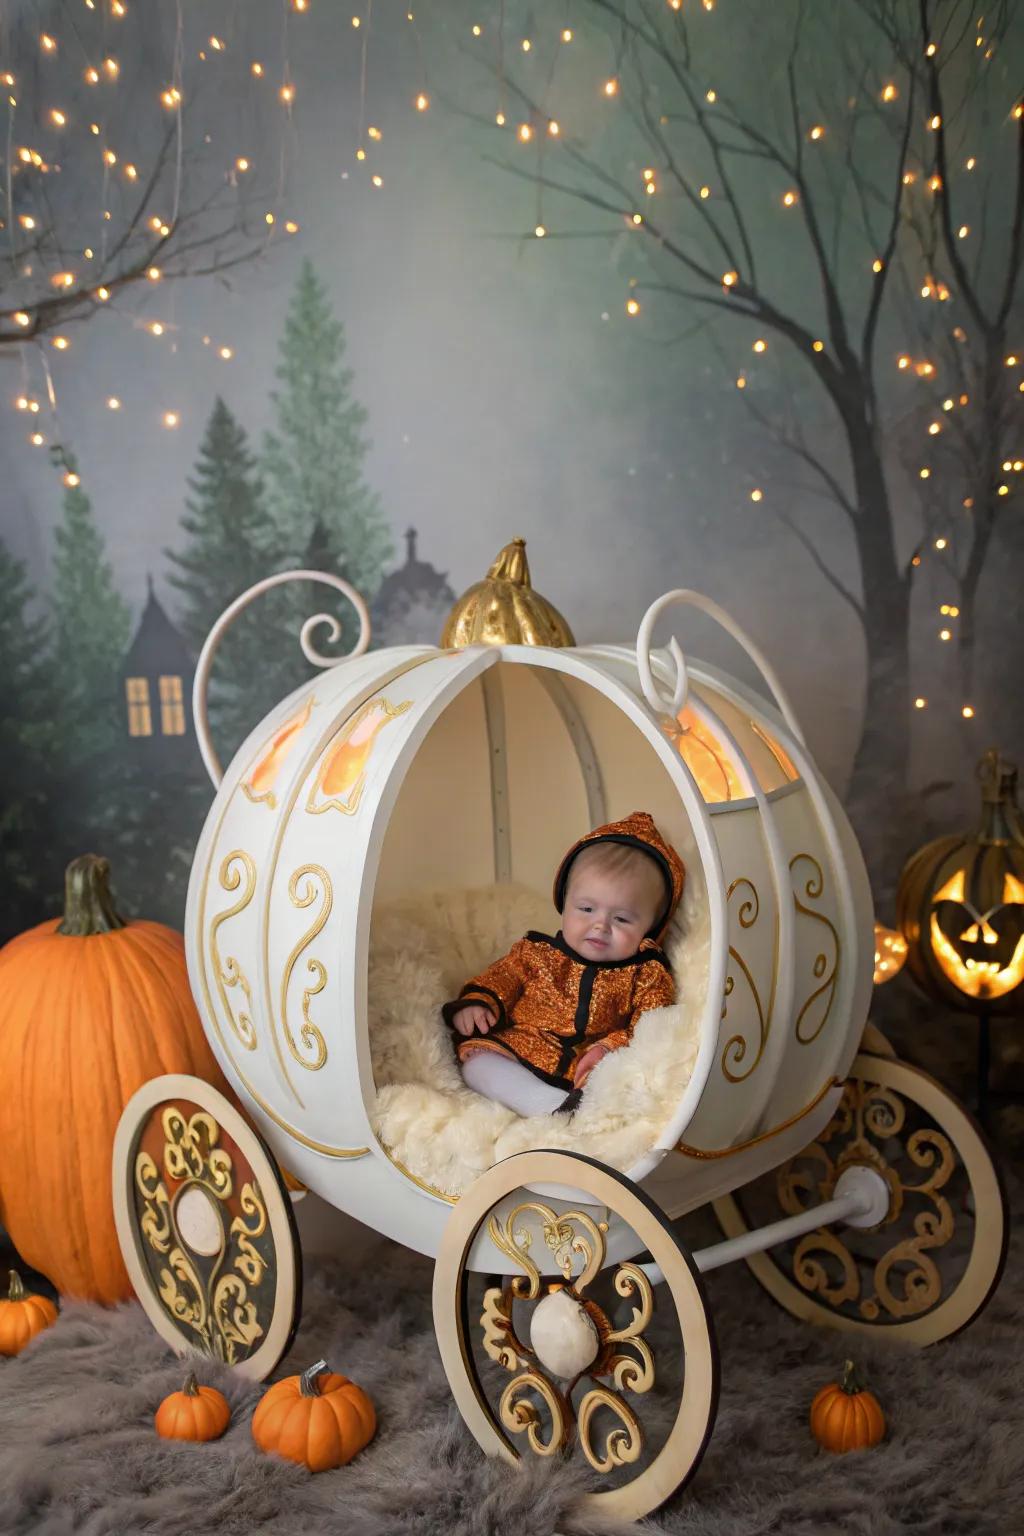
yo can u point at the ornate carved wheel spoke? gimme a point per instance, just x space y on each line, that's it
568 1354
927 1270
206 1226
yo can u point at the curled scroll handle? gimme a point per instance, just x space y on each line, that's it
199 713
671 704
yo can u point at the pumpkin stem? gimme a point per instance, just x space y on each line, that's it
512 564
88 904
191 1386
17 1290
850 1382
308 1384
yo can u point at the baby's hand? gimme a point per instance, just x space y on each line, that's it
587 1062
475 1018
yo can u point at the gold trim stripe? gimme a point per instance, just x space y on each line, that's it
688 1151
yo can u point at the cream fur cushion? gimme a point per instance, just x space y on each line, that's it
422 952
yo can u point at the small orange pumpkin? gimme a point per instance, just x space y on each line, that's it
194 1413
846 1417
318 1419
22 1316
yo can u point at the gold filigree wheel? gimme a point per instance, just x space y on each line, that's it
681 1451
205 1224
946 1145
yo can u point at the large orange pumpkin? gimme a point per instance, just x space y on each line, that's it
91 1008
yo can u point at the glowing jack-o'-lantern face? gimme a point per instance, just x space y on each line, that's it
982 952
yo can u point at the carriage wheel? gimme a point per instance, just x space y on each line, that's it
205 1225
578 1386
929 1268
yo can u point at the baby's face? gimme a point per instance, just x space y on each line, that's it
607 916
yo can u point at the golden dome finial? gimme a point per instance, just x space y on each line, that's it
504 609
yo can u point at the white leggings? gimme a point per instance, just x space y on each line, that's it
508 1082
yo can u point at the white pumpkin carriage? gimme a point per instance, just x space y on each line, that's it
387 828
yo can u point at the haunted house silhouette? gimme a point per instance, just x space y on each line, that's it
157 691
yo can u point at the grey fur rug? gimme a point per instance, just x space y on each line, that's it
78 1453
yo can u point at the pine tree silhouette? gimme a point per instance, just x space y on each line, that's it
30 739
231 544
314 459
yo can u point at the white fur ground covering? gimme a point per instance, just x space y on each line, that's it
78 1455
422 953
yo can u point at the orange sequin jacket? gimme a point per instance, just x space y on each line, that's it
553 1004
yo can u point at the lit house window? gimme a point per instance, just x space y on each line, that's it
140 720
172 707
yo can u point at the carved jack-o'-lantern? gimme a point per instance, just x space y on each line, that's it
961 904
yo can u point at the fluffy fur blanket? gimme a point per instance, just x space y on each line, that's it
422 952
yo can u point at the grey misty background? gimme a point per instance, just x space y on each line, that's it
507 391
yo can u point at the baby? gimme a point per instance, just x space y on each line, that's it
536 1023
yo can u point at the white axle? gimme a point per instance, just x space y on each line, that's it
861 1200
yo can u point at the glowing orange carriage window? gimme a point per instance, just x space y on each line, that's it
140 718
706 759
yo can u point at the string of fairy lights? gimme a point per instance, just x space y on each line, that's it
542 130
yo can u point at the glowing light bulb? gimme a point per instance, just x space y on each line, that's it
61 343
257 67
730 279
705 192
527 45
154 274
26 221
241 164
963 231
103 294
499 118
113 403
22 403
638 218
632 306
373 133
970 163
567 34
926 474
287 93
741 382
789 199
711 96
941 543
423 102
818 346
889 92
21 318
945 634
91 76
112 67
110 157
877 265
360 154
48 43
291 226
968 712
171 418
757 495
216 44
355 21
1011 361
37 439
477 31
1004 490
935 183
540 231
156 329
525 133
760 345
935 122
131 172
378 181
920 703
71 479
269 217
611 87
934 428
57 117
554 128
931 51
